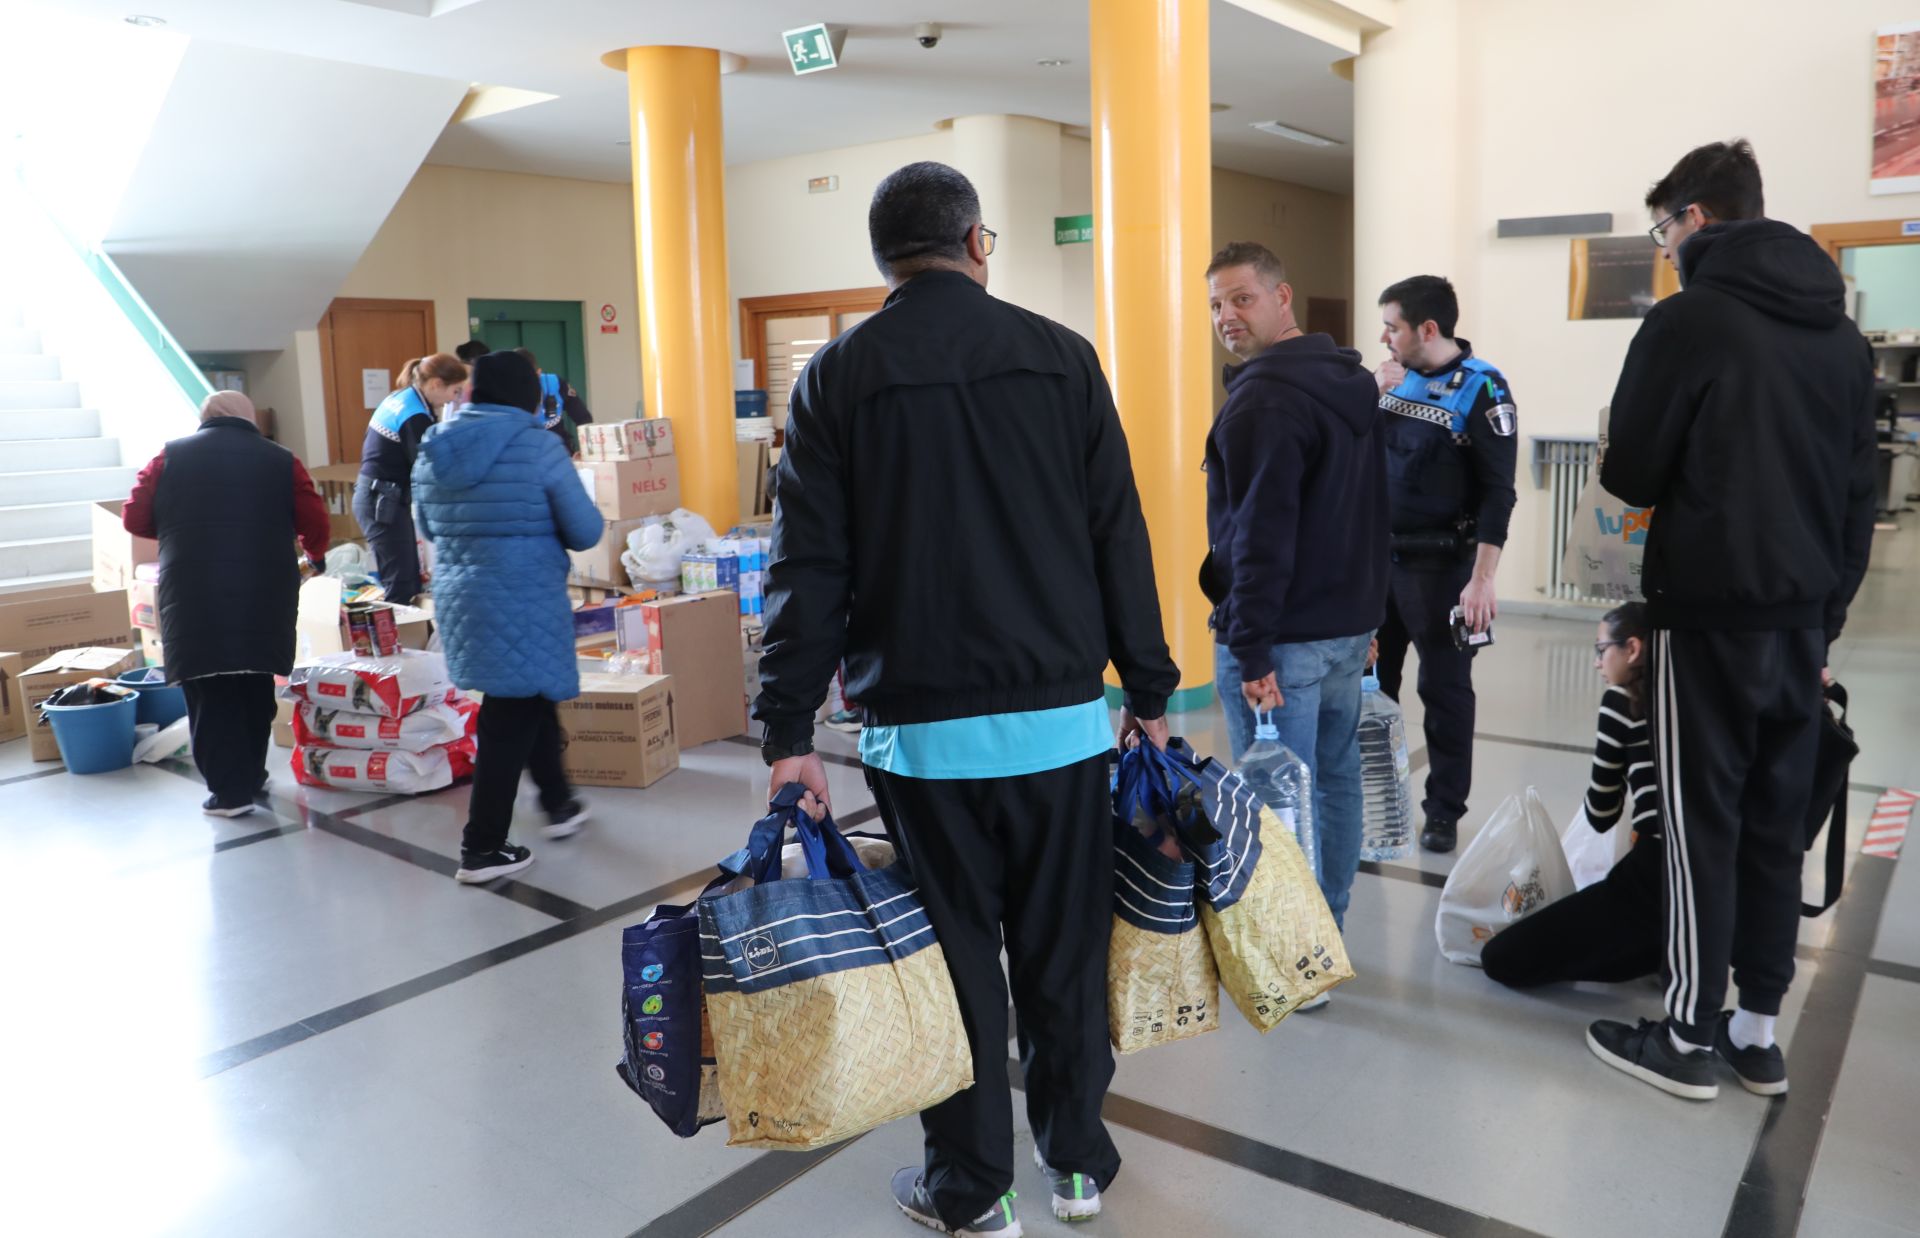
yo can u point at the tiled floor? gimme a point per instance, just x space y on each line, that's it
297 1024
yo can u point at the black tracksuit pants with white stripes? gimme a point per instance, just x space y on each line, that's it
1735 732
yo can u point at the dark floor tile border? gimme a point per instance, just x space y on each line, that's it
297 817
736 1193
1773 1186
1342 1186
1402 872
1888 970
439 978
39 773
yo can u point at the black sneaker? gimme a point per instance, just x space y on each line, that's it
1646 1052
214 808
566 822
1761 1071
910 1192
1440 835
1076 1197
478 867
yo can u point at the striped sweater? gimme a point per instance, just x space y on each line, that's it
1622 768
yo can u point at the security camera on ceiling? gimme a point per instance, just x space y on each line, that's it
927 33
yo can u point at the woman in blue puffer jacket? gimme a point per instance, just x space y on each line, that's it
500 501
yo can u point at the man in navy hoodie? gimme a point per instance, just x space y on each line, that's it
1297 521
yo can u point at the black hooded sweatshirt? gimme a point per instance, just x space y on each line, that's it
1744 417
1296 502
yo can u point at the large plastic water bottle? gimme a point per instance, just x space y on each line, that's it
1284 783
1386 829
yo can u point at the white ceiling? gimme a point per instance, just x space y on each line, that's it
887 86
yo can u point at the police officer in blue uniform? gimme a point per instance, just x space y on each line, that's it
383 493
561 408
1451 451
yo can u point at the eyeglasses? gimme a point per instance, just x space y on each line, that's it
987 237
1600 647
1659 231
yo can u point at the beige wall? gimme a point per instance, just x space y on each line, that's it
1515 108
458 233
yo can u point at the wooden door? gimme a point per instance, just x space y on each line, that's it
1328 315
364 344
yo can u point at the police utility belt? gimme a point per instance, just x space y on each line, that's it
1436 543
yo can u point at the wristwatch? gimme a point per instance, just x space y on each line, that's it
772 753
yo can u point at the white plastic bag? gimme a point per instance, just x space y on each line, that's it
655 549
169 741
1511 869
1591 854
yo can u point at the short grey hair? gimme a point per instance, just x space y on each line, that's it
1264 262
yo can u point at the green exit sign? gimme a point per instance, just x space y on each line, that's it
1072 229
810 48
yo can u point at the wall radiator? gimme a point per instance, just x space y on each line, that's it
1561 467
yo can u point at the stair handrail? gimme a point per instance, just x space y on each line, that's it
179 366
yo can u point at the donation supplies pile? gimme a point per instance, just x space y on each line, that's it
372 723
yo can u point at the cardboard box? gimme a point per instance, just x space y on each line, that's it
600 565
696 639
321 625
151 648
636 439
143 604
753 457
13 701
69 666
117 552
41 622
629 489
283 722
344 528
619 732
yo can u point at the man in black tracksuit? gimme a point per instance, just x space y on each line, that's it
1743 416
957 521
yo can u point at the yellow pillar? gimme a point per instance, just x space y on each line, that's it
1152 231
680 241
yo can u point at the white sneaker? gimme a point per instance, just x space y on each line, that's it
1076 1197
567 822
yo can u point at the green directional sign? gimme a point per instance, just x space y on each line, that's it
1072 229
810 49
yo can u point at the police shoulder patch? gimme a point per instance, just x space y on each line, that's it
1503 420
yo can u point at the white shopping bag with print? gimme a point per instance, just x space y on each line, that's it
1511 869
1591 854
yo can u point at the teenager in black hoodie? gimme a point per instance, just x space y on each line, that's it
1743 417
1297 520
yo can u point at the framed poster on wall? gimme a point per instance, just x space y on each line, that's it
1896 110
1617 277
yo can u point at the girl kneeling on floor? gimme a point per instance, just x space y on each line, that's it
1612 930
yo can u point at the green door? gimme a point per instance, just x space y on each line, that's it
550 330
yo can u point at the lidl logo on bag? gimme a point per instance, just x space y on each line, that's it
760 953
1630 526
652 972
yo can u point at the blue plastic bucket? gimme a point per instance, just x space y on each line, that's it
750 403
159 704
95 738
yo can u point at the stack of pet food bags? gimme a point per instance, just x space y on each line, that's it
371 722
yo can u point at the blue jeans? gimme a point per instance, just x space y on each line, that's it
1320 722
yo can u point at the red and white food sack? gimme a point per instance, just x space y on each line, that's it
392 686
444 723
362 769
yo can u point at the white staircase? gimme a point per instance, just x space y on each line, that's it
53 465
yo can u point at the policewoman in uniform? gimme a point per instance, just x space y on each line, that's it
383 495
1451 449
